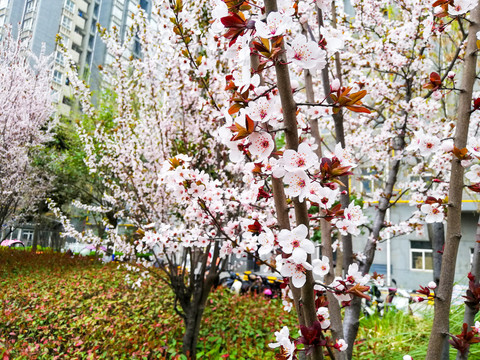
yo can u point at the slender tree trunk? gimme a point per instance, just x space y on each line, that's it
333 306
289 108
36 234
444 290
469 316
436 233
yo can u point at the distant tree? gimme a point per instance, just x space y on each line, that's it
26 107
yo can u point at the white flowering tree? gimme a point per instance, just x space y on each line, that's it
266 81
26 107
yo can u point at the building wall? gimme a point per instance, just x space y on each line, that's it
401 251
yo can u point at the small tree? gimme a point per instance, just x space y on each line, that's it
26 100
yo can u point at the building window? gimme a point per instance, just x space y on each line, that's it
57 77
66 22
69 5
59 58
27 237
421 255
30 6
27 24
144 4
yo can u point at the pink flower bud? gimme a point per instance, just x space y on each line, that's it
451 75
437 95
432 285
335 85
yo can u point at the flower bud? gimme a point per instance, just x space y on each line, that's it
432 285
335 85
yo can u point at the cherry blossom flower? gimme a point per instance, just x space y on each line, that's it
321 267
407 357
260 110
433 211
474 174
460 7
280 337
266 241
295 242
474 146
334 39
276 25
354 276
341 345
296 272
322 195
306 54
354 214
285 7
262 145
324 317
298 184
476 328
274 166
302 159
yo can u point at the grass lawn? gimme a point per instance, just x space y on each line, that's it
54 306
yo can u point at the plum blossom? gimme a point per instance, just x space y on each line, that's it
424 144
274 167
280 336
433 211
262 145
321 267
460 7
341 345
322 195
306 54
260 110
298 184
295 242
324 317
334 39
474 146
354 275
407 357
266 242
276 25
474 174
302 159
283 340
295 271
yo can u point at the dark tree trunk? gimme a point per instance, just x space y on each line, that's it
436 234
36 235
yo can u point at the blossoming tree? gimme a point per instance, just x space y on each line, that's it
26 100
268 80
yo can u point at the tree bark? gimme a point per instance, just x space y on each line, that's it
436 234
444 290
334 309
469 316
289 108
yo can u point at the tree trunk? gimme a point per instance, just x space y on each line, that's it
289 108
333 306
444 290
469 316
36 234
192 329
436 234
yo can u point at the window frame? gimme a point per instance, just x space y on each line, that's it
422 251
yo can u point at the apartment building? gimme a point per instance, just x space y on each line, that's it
40 22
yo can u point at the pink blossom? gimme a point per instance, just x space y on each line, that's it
297 184
262 145
306 54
